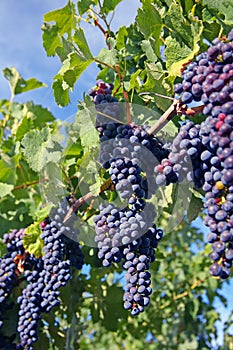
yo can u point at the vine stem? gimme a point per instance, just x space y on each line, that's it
176 108
98 25
79 202
165 118
125 94
20 187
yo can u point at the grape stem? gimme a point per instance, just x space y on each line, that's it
125 94
20 187
176 108
79 202
166 117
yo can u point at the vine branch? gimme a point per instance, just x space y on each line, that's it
20 187
185 293
125 94
176 108
79 202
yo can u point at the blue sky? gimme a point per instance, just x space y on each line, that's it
21 46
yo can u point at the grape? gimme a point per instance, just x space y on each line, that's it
137 293
209 81
44 276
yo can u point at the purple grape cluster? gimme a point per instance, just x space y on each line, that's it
30 306
138 255
102 92
184 160
106 104
210 80
129 154
8 269
44 276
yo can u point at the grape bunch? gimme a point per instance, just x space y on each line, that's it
102 92
44 276
129 154
209 80
184 160
105 104
8 266
137 258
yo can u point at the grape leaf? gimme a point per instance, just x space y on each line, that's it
147 48
61 94
64 24
177 53
224 7
110 5
39 149
121 37
179 24
150 23
32 241
88 134
8 168
18 84
5 189
107 57
83 5
73 66
80 40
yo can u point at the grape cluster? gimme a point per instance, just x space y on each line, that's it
210 80
184 160
8 266
138 255
129 154
43 276
105 103
102 92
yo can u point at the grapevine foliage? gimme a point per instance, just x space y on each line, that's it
87 245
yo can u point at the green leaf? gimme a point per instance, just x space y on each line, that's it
83 5
32 241
41 115
5 189
8 169
223 6
107 57
149 22
177 53
156 83
25 126
39 149
88 134
121 38
147 48
18 84
179 24
61 94
64 19
80 40
73 66
51 39
183 44
110 5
